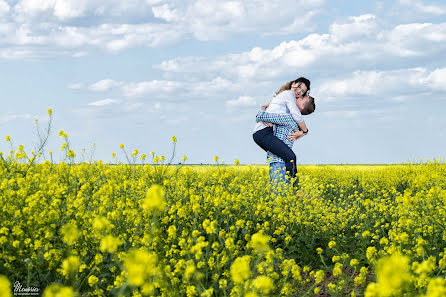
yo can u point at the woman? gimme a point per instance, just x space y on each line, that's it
284 102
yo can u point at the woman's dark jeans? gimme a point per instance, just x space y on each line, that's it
266 140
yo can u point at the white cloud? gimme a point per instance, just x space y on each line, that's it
68 10
166 89
4 7
157 87
437 79
389 85
362 26
76 27
10 117
242 101
104 85
363 40
418 7
104 102
216 20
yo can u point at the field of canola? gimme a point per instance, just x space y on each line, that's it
122 230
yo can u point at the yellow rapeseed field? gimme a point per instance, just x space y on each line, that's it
81 229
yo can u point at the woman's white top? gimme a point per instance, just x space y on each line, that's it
285 102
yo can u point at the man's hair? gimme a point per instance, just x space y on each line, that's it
310 107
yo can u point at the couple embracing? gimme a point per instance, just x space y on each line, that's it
280 123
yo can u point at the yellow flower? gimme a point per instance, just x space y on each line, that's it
424 267
191 291
236 162
370 253
209 226
392 275
171 231
70 265
436 288
69 233
154 199
216 159
259 243
100 223
92 280
366 234
8 138
110 244
331 244
317 290
207 293
61 133
319 276
354 262
121 146
184 158
319 251
71 154
189 271
57 290
264 284
5 286
240 269
337 270
140 265
174 139
49 111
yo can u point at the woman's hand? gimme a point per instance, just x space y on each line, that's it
296 135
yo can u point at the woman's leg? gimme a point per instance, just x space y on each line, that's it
267 141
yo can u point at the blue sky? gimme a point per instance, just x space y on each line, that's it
139 72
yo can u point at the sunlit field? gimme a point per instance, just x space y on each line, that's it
96 229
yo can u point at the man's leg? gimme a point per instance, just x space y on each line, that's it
277 173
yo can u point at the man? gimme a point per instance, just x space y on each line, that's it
286 129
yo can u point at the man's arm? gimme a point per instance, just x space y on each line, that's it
283 119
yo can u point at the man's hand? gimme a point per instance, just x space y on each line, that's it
296 135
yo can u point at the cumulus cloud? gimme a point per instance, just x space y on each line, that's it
104 85
215 20
70 10
388 85
436 79
168 89
4 7
242 101
154 87
75 27
363 40
10 117
418 9
104 102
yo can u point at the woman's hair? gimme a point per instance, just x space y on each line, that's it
287 86
310 107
